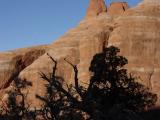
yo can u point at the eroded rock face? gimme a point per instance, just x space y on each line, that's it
13 62
137 35
135 31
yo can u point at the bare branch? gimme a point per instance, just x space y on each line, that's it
59 87
75 78
43 76
41 98
55 65
51 58
55 82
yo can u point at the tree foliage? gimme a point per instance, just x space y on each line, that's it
112 83
111 92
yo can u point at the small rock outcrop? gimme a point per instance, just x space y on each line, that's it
117 8
95 8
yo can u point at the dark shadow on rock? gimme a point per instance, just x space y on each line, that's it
152 114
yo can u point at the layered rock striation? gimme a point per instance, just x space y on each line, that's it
134 30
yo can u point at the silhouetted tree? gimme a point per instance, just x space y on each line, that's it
59 103
112 93
112 87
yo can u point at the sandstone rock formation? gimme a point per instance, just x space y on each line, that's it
134 30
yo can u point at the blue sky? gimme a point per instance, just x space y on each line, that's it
26 23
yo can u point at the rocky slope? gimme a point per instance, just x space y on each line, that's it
134 30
